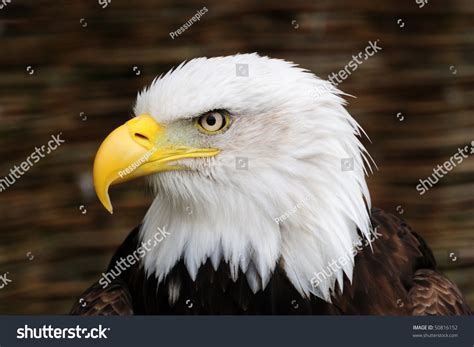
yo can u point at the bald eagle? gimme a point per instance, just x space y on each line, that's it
261 203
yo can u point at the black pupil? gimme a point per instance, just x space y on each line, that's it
211 120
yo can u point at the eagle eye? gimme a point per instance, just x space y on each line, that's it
213 122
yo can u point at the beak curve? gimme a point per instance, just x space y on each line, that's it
137 148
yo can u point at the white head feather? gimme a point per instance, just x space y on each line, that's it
294 138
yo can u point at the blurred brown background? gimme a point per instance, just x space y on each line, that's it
84 85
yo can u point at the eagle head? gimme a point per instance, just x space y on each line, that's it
254 162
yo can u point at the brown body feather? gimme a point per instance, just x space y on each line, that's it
397 276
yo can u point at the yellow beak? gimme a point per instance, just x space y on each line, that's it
138 148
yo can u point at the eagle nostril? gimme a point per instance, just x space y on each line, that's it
141 136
